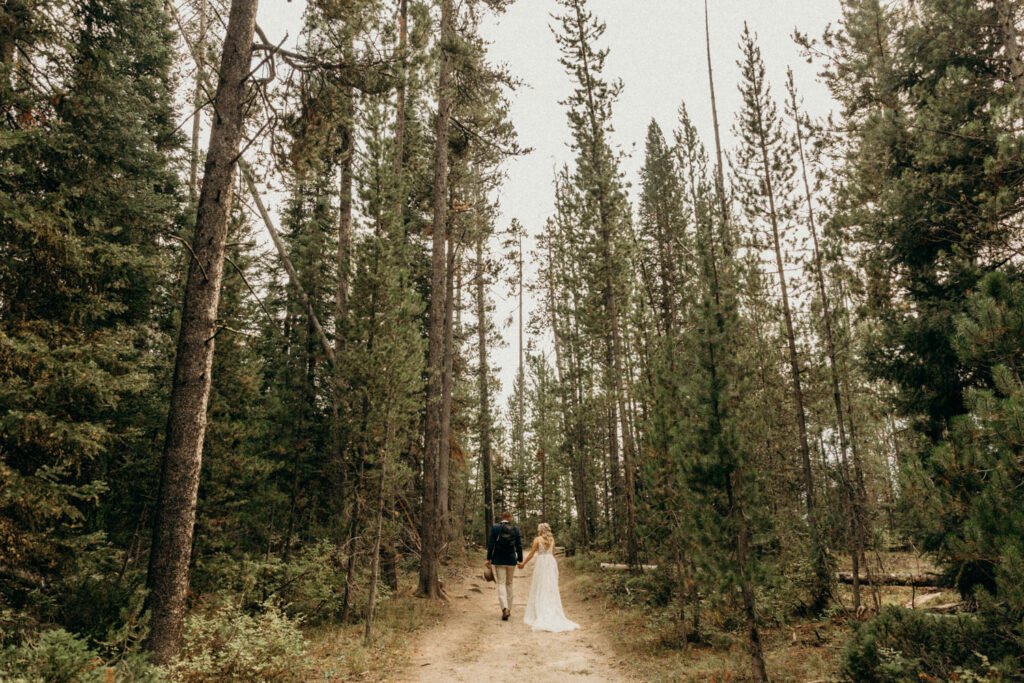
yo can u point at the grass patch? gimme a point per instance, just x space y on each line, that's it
339 654
647 637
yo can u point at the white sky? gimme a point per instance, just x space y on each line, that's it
657 49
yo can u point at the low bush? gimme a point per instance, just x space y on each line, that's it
57 656
310 583
231 645
904 645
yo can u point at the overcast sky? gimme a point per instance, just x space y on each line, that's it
657 49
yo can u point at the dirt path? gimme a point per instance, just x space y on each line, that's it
472 643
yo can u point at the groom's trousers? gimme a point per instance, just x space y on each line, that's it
503 575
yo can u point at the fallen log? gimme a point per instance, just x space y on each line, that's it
948 608
924 579
919 601
625 567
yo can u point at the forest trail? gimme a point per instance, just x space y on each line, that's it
472 643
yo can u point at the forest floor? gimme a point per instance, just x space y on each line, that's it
464 639
470 642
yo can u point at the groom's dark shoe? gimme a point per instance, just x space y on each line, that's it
505 614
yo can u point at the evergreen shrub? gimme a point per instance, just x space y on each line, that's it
904 645
57 656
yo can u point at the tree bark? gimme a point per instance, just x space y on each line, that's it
168 574
341 294
447 387
1008 33
483 383
197 102
924 579
432 517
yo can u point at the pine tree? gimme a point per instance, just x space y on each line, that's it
90 205
929 229
435 484
606 219
764 179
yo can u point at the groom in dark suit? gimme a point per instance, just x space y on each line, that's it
504 552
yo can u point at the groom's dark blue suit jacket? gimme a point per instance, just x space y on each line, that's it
507 557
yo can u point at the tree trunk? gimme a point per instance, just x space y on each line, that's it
794 363
521 377
622 500
483 381
432 516
282 252
389 555
746 588
855 503
447 387
720 167
371 600
734 489
168 574
1005 10
341 475
924 579
197 102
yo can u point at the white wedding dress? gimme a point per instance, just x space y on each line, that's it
544 608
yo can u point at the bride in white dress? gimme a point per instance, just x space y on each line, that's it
544 608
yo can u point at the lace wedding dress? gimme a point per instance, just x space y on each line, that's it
544 608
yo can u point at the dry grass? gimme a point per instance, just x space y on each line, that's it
338 653
896 563
804 650
900 562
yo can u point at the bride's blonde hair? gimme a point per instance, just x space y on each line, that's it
544 529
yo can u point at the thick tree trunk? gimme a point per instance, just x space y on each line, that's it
168 574
432 517
345 218
340 475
